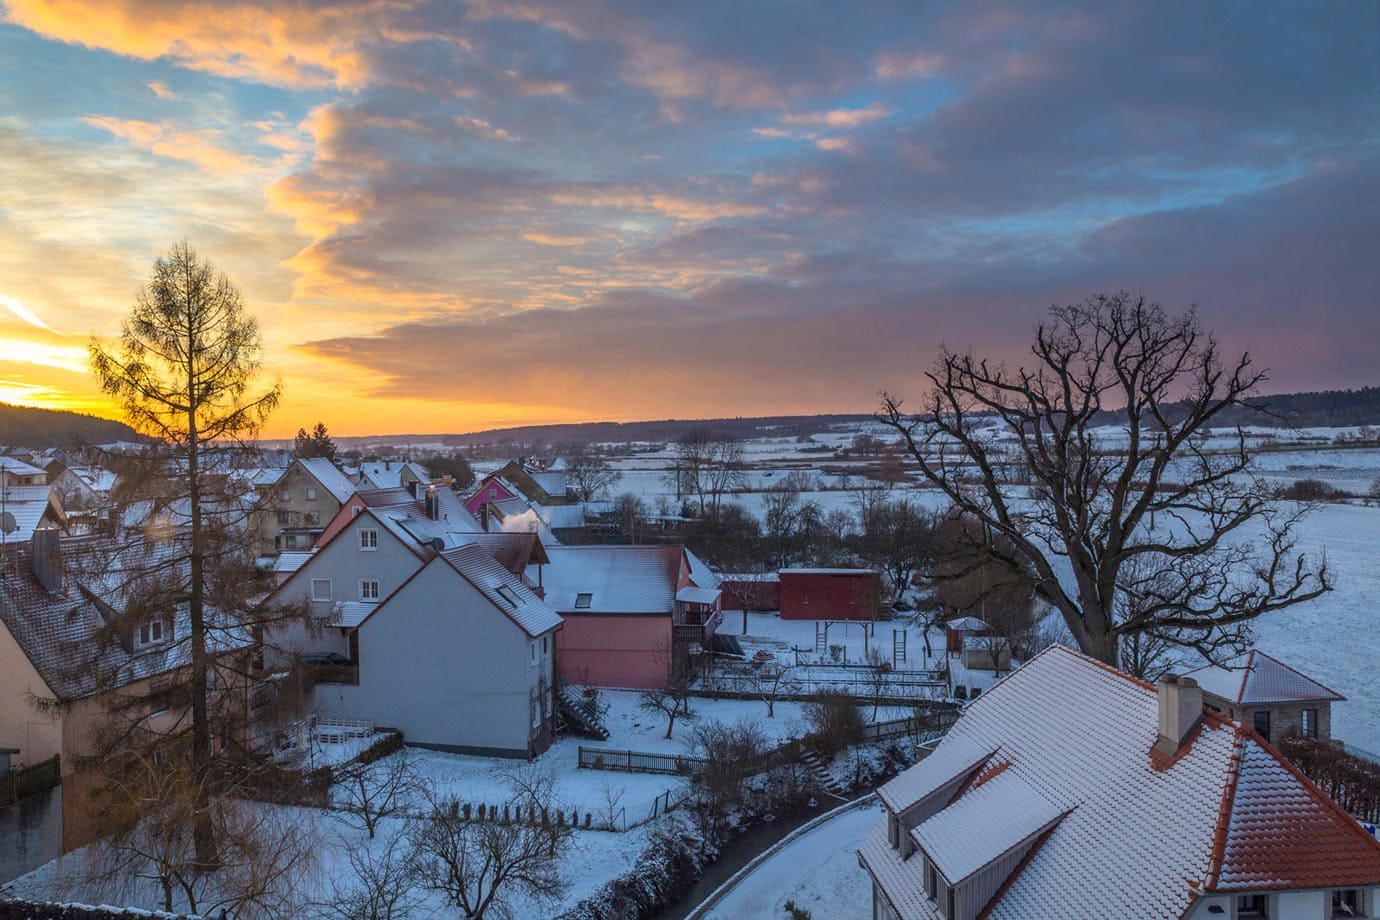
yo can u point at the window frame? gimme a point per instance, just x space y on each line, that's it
1308 722
584 600
364 593
1262 912
330 589
1358 902
311 495
368 539
1256 719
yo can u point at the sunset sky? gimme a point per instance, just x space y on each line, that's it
457 216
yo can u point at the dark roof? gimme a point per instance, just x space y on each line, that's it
67 634
514 551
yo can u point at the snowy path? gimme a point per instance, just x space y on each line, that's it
818 870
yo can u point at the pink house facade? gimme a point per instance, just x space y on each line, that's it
491 490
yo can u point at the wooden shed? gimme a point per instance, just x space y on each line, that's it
830 594
960 628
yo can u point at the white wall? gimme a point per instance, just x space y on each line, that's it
444 665
344 564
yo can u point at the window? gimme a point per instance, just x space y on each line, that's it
354 512
320 589
583 601
1261 721
1252 906
931 880
544 646
1308 723
893 831
368 539
493 494
507 594
150 633
311 495
313 518
368 590
534 653
284 517
286 496
1348 902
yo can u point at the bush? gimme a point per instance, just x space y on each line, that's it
1310 490
390 743
836 723
663 874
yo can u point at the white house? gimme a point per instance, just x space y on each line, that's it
1071 790
459 658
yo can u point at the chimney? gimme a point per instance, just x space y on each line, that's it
387 465
47 559
1180 708
484 516
433 504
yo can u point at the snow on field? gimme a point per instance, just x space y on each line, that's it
1336 639
819 871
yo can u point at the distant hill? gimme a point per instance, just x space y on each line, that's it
36 429
1320 409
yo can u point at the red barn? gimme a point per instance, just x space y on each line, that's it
830 594
751 591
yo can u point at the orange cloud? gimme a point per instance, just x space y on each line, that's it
164 140
290 45
894 66
161 90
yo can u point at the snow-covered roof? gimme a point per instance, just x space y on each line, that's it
349 614
966 623
29 505
386 474
552 482
987 822
561 516
1255 677
785 572
330 477
700 573
97 480
692 595
504 590
749 576
619 579
16 467
1141 833
290 562
406 517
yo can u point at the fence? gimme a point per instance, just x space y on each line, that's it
25 781
637 761
860 683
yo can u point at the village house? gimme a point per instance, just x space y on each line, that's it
375 542
634 615
390 474
459 658
297 506
70 666
1268 695
1071 790
17 472
516 480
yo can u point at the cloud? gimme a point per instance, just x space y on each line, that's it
166 139
838 119
161 90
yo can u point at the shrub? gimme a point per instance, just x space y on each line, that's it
1310 490
835 722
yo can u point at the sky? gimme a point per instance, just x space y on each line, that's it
455 216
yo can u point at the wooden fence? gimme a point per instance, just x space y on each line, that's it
25 781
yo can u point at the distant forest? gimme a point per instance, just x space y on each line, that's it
36 429
1323 409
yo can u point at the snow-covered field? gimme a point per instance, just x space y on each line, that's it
818 871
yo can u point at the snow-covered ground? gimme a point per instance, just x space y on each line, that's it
818 871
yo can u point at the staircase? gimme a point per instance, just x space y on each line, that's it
579 716
821 773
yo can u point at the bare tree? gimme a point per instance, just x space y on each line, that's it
591 474
153 804
380 885
481 866
182 372
707 466
768 678
1155 493
878 678
730 753
366 794
671 701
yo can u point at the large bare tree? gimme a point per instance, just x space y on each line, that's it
1025 451
182 373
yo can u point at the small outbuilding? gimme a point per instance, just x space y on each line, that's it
960 628
830 594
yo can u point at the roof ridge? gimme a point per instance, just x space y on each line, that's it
1246 675
1217 855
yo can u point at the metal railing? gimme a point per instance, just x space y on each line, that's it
638 761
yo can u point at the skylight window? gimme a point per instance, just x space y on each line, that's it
583 601
507 594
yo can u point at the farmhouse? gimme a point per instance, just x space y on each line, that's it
1071 790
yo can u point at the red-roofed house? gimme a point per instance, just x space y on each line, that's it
1071 791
